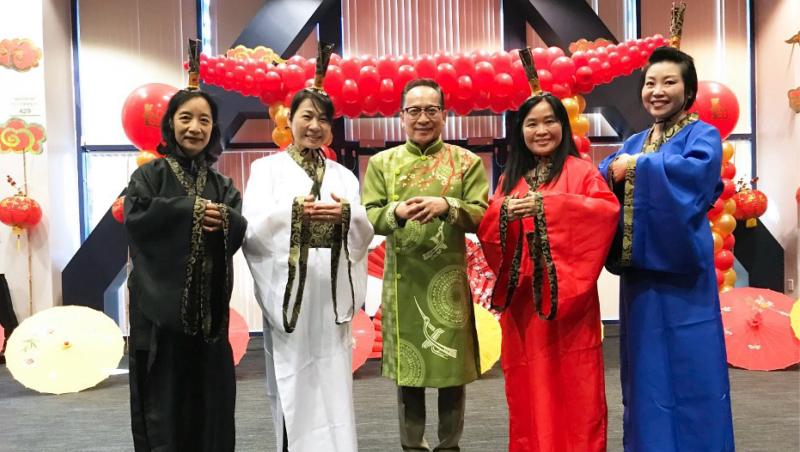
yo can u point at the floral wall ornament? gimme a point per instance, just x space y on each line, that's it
19 54
16 135
260 53
794 99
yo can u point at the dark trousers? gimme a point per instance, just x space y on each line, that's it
7 317
411 412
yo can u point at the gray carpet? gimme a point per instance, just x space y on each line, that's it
766 409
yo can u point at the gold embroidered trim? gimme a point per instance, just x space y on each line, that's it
314 167
192 189
539 174
539 251
516 260
389 216
668 134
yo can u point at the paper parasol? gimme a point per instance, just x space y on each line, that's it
758 333
64 349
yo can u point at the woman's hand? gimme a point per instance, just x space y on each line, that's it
326 212
620 166
522 207
212 218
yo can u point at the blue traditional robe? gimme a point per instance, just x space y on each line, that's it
673 366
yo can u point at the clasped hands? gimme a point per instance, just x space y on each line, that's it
620 166
212 217
521 207
325 212
422 208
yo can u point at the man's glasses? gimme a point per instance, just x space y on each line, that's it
430 111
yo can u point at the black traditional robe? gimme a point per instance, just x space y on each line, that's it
182 379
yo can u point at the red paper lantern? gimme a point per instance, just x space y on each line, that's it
20 212
750 204
118 209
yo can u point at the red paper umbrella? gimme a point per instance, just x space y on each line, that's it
758 331
238 335
481 278
375 261
364 336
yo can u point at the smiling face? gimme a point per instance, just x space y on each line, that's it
423 129
192 123
663 92
311 128
541 130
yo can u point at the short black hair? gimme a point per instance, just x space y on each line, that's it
520 158
688 71
214 148
322 103
422 82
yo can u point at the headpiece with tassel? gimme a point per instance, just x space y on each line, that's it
676 24
530 71
194 64
324 51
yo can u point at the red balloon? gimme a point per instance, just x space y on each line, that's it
368 80
386 91
464 64
351 67
118 209
442 57
716 209
501 61
310 67
387 66
580 58
728 242
368 60
446 77
142 113
584 75
293 77
545 79
425 66
462 107
720 276
351 110
334 80
503 86
363 332
350 92
728 189
484 75
482 99
329 153
464 88
561 90
405 74
553 53
388 108
369 105
499 104
723 260
562 69
717 105
728 170
540 58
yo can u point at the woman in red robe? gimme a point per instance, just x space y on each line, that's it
546 235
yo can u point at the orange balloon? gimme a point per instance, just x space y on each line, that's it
573 109
730 277
727 151
273 109
725 288
717 241
580 125
729 207
282 136
581 103
282 117
725 224
145 157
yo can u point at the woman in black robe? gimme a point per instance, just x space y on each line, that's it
184 222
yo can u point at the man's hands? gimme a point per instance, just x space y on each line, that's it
422 208
620 165
326 212
522 207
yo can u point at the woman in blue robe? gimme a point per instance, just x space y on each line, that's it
674 370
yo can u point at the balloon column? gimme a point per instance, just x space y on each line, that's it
281 134
579 124
717 105
479 80
141 118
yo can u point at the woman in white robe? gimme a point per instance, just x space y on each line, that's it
309 377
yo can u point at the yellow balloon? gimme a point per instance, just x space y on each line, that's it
727 151
730 277
273 109
573 109
282 117
725 224
581 103
580 126
729 206
794 316
717 241
725 288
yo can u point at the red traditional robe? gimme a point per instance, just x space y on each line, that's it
553 368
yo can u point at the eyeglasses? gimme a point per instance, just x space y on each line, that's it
430 111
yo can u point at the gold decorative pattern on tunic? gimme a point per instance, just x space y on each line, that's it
390 217
446 294
410 236
411 366
453 207
539 251
539 174
438 167
439 244
431 333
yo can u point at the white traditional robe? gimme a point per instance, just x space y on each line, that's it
309 376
